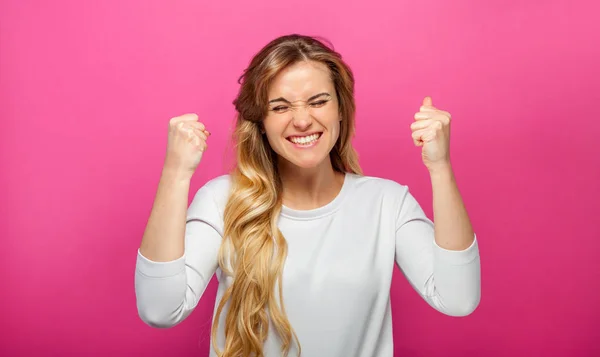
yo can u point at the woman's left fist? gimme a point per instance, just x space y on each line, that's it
431 130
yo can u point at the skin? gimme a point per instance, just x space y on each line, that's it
163 239
431 132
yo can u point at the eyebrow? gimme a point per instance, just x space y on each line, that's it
281 99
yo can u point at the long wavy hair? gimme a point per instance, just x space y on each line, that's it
253 251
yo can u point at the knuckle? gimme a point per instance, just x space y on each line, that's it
189 117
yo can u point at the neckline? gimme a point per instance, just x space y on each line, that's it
322 211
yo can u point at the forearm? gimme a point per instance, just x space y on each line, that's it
453 230
164 237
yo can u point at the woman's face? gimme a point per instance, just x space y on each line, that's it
303 121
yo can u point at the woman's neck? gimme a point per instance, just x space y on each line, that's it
305 189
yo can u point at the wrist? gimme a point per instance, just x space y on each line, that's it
441 170
174 174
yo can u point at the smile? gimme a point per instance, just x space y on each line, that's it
305 141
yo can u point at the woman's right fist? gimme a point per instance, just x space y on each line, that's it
186 143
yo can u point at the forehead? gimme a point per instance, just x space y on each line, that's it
301 81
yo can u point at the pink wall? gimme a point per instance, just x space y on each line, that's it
87 91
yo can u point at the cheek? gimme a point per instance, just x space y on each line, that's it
330 119
273 134
335 130
272 128
272 141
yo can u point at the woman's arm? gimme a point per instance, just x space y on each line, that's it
167 291
163 238
448 280
453 229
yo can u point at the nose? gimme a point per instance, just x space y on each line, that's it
302 119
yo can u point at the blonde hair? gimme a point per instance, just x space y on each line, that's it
253 251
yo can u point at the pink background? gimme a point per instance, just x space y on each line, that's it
87 91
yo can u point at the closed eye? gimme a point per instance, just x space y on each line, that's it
280 109
318 104
285 108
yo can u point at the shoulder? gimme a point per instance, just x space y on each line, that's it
219 185
381 191
371 185
213 194
386 195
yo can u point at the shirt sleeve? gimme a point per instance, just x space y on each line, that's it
167 292
449 281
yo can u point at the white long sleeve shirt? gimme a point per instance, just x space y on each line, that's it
337 274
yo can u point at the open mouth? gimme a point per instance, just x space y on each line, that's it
307 140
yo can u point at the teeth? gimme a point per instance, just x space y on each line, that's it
305 139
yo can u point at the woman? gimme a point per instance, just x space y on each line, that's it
303 244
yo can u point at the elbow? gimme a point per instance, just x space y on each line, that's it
160 302
157 318
465 307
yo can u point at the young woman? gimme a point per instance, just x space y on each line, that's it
302 243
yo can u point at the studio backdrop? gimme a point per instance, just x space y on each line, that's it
87 89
